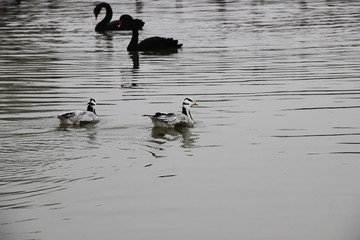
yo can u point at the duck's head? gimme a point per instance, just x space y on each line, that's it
92 102
189 102
91 105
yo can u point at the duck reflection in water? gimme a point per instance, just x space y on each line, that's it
174 134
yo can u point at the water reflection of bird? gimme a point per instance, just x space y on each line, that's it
135 58
184 119
148 44
106 25
79 117
173 134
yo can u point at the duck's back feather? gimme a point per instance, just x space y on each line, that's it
78 117
171 120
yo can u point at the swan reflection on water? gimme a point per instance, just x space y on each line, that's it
164 52
134 55
184 134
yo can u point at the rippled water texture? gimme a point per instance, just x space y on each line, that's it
274 153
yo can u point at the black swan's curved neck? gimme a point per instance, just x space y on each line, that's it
107 18
133 45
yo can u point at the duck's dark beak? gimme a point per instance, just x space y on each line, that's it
96 16
120 23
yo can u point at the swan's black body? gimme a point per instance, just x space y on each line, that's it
148 44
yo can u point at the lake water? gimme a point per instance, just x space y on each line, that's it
274 153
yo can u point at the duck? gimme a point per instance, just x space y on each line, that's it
173 120
148 44
106 25
79 117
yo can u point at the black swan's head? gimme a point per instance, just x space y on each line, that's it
125 19
98 8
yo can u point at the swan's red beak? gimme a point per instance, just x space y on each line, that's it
120 23
96 15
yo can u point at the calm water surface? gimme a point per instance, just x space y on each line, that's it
274 153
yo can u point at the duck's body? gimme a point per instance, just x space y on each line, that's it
79 117
184 119
107 25
148 44
161 119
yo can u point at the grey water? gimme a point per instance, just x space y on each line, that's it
274 153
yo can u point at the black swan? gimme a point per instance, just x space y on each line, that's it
148 44
106 25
